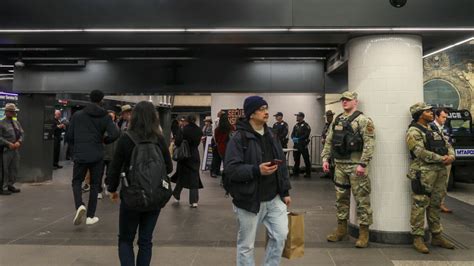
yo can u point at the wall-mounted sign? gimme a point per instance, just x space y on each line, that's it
5 96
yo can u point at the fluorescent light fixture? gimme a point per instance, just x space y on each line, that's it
287 58
38 30
11 71
156 58
7 66
31 49
243 30
54 58
225 30
382 29
7 93
449 47
6 75
6 78
290 48
142 48
134 30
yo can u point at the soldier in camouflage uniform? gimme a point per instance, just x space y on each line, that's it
430 153
350 141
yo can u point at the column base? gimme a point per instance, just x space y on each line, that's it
385 237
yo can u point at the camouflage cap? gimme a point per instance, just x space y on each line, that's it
418 107
350 95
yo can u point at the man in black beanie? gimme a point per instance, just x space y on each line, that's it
86 135
256 177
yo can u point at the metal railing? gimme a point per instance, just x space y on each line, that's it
316 147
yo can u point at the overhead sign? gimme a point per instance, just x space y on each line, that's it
464 152
8 96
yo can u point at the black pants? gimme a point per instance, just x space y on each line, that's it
78 174
57 150
129 222
216 161
193 193
307 163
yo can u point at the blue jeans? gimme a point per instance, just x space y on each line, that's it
273 214
129 221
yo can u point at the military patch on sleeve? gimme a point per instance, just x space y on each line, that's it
370 127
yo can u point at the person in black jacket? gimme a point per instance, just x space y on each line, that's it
144 124
300 136
86 134
259 185
58 127
187 170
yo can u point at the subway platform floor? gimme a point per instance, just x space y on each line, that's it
36 229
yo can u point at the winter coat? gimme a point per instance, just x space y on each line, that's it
242 167
86 133
187 170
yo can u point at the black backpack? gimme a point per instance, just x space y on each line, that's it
226 182
146 186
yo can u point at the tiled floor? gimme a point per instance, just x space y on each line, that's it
36 229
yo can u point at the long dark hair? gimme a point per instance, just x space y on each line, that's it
224 124
145 122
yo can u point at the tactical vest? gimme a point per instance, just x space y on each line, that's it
344 140
434 141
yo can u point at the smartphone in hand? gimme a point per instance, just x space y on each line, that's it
276 162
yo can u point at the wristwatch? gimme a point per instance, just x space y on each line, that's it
363 165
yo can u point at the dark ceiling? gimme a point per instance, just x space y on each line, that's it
335 21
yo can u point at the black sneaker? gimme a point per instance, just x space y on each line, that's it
5 192
13 189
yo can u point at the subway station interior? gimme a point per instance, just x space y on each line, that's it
198 58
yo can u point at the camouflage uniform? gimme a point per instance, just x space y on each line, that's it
432 173
345 177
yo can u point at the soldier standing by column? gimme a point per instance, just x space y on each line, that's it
430 153
351 141
300 136
11 137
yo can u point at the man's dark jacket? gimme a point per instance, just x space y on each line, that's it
242 167
86 133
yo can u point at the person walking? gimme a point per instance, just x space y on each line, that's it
87 135
258 183
144 124
187 170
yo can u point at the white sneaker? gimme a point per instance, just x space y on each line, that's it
194 205
79 215
90 221
99 196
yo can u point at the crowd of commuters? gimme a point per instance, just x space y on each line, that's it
255 170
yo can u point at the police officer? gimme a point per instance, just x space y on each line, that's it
430 153
11 138
351 141
300 137
281 129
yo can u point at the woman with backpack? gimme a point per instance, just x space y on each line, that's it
144 125
187 170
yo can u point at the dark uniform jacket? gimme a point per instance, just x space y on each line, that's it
302 131
86 133
281 130
242 167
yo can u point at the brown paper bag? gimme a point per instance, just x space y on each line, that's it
294 245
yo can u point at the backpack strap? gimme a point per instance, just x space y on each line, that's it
136 140
354 116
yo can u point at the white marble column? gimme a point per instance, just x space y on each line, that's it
387 73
